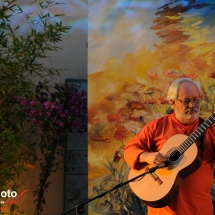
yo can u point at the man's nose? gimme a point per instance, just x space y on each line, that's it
191 104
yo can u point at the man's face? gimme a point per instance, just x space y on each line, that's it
187 105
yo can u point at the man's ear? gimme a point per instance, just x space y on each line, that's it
172 103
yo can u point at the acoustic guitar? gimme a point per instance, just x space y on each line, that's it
157 189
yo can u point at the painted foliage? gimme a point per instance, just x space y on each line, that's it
136 49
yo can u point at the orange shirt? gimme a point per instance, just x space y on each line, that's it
194 197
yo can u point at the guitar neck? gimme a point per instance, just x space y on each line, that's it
196 134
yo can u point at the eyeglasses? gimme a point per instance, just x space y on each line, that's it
186 102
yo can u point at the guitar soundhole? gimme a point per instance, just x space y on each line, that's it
174 156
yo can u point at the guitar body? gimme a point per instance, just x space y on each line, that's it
158 189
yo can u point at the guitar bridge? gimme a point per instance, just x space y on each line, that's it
155 177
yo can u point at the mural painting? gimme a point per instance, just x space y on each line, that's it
136 49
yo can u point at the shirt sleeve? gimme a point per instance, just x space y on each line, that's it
138 144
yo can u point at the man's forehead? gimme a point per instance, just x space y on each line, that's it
188 88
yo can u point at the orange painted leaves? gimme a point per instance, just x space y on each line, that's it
153 76
121 133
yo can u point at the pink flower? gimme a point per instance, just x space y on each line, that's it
63 115
23 102
61 124
32 112
46 105
52 106
48 113
33 103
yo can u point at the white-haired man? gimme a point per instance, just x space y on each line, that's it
194 196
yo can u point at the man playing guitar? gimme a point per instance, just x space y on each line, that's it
191 171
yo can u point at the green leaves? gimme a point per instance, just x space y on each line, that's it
22 55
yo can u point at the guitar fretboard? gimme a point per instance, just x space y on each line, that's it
195 135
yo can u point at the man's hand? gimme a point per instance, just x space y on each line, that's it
152 157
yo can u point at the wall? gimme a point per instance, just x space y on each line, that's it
142 46
72 58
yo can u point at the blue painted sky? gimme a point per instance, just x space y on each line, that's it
118 27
